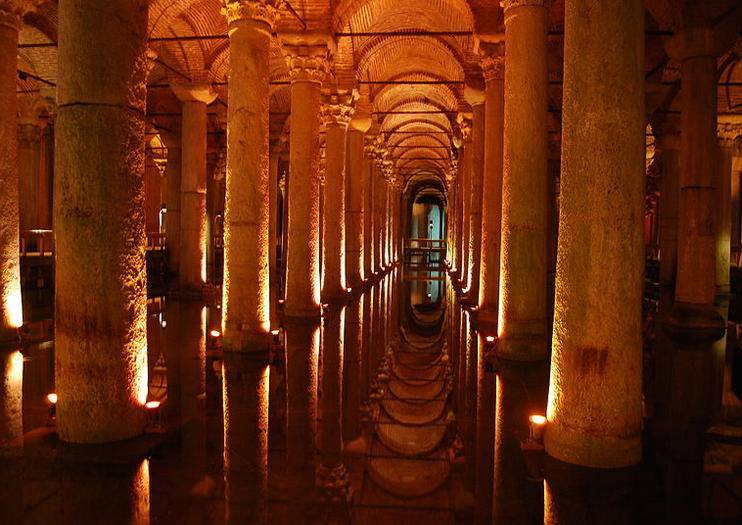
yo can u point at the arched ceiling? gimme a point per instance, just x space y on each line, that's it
409 58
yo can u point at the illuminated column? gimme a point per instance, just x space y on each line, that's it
11 395
693 315
10 281
493 67
30 128
723 185
355 181
379 197
246 259
192 269
522 316
368 208
485 433
465 177
246 295
477 101
594 410
353 365
336 113
101 297
308 65
172 173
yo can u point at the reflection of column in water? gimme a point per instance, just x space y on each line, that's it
245 398
115 494
302 352
470 401
377 345
485 437
521 391
352 366
11 428
366 352
332 475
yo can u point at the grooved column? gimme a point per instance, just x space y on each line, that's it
493 67
336 113
101 297
308 66
247 208
356 177
594 409
522 316
11 309
30 134
193 227
465 176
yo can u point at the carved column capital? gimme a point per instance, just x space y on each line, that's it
12 11
337 110
465 122
307 63
265 11
194 92
493 63
512 4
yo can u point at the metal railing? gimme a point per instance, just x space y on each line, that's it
40 243
425 254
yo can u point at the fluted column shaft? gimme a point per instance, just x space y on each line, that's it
594 409
100 240
30 135
465 176
522 316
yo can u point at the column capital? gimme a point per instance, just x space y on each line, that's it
729 132
31 107
493 62
307 57
465 122
265 11
194 92
512 4
337 109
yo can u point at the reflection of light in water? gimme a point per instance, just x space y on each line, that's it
142 375
140 494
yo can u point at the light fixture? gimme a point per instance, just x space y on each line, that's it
51 401
215 333
51 398
537 424
490 338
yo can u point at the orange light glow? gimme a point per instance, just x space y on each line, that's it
52 398
491 339
152 405
275 332
537 420
537 427
215 333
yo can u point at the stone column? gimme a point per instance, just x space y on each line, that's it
336 114
356 185
368 209
465 177
30 134
193 227
723 185
11 309
476 99
667 146
246 260
522 316
246 299
493 67
594 411
308 65
353 365
101 296
172 199
11 395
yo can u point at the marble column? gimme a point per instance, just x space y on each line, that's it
246 294
667 146
465 177
308 66
30 134
336 113
594 410
353 365
193 222
723 186
11 309
100 338
476 99
172 199
355 212
522 316
368 208
493 67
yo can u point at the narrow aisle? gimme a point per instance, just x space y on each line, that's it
410 427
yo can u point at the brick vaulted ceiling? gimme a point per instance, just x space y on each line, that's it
377 54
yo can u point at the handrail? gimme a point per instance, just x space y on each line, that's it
40 243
